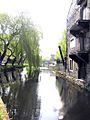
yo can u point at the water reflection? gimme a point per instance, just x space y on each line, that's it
24 75
20 97
50 99
28 100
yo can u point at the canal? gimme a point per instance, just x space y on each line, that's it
30 100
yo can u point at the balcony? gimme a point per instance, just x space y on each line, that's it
80 28
84 24
79 47
74 46
79 57
79 2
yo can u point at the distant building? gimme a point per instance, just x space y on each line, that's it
52 57
78 39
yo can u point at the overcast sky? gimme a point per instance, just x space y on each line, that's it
50 15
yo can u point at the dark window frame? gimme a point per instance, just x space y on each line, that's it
71 64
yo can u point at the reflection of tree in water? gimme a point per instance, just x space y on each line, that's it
29 104
21 100
9 93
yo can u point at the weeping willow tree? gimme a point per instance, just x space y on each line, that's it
20 40
29 39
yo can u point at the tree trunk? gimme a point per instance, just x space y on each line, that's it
14 60
4 52
8 59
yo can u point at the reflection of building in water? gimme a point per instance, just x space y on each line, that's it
78 39
76 101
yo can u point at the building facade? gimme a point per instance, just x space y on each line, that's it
78 39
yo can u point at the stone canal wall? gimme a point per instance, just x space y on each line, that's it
75 96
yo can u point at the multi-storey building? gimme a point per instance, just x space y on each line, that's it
78 39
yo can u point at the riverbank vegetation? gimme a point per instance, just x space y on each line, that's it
62 44
19 42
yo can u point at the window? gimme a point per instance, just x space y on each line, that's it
71 64
86 14
88 3
72 43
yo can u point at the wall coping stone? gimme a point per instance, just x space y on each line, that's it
79 83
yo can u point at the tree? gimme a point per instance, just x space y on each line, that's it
19 41
8 32
29 38
62 43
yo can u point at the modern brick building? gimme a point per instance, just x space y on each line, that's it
78 39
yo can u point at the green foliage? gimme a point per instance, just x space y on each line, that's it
57 55
62 43
22 37
1 115
29 39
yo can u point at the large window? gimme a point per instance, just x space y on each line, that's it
86 14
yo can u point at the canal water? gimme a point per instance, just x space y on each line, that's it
28 100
